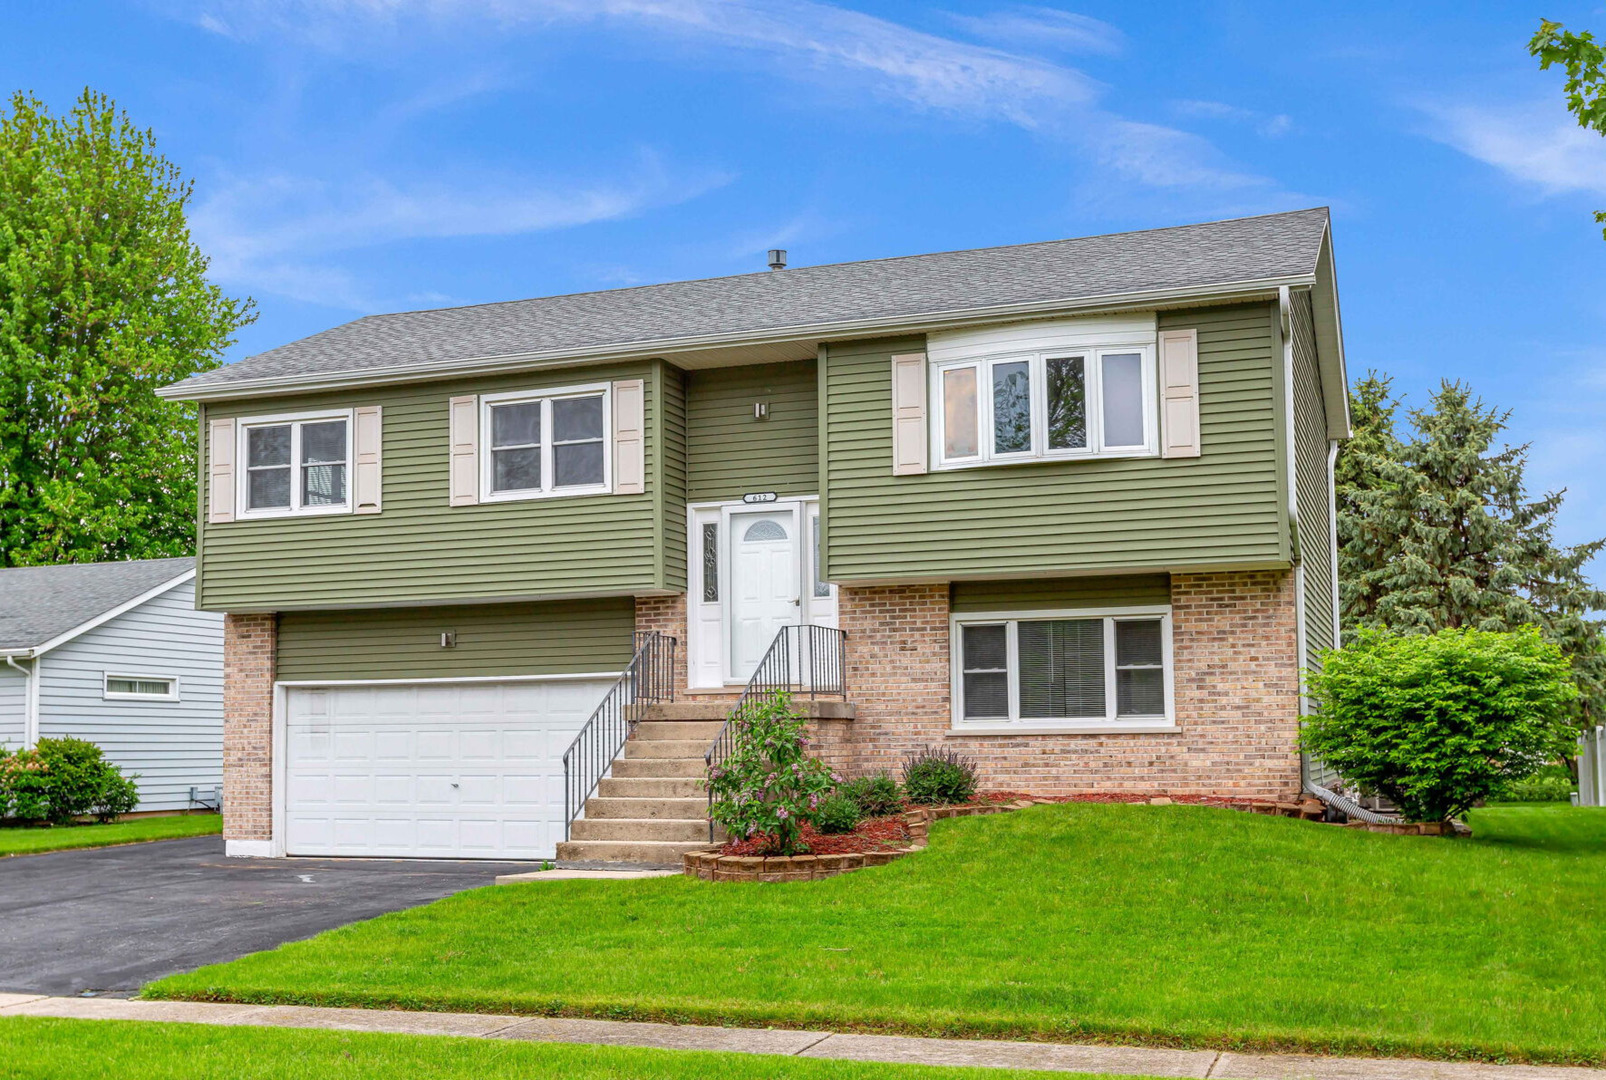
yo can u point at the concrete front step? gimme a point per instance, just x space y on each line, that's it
589 828
628 768
634 852
682 749
687 809
692 709
650 787
678 730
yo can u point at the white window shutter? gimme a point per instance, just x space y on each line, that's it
368 440
465 436
909 441
220 450
629 450
1179 393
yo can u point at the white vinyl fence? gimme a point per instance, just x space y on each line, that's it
1592 767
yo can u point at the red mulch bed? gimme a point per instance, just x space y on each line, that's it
881 833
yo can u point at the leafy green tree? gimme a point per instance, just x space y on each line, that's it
1439 722
1585 64
1438 532
103 298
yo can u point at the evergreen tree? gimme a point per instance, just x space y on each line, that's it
103 298
1439 532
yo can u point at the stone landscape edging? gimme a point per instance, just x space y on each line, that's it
709 865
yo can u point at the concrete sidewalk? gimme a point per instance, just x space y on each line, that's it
1111 1060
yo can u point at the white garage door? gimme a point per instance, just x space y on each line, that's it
439 770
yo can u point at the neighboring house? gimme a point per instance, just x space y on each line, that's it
1070 503
117 654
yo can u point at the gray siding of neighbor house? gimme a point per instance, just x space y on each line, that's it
1314 502
171 744
13 705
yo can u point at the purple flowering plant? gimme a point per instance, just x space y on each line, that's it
769 786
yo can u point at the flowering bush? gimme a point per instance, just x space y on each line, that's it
61 781
769 786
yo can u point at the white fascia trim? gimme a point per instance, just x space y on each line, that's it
104 617
1266 288
249 849
579 676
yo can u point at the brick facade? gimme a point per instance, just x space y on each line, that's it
249 645
667 615
1236 681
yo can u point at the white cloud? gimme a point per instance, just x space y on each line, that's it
1043 27
1271 125
278 233
808 41
1534 144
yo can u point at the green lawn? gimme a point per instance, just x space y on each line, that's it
1174 925
129 1050
32 841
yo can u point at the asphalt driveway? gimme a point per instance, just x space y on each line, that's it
110 919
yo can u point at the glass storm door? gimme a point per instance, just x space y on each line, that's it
765 583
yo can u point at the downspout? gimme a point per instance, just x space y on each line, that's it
1332 545
30 698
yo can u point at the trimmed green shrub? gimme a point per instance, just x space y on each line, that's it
837 813
1438 723
1550 784
62 780
877 794
938 776
768 785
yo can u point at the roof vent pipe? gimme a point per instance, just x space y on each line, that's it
777 258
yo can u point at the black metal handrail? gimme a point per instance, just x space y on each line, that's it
648 680
802 660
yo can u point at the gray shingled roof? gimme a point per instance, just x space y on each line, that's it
1215 254
40 603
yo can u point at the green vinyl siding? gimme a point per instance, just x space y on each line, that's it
730 454
672 492
419 549
1035 594
1221 509
553 638
1313 500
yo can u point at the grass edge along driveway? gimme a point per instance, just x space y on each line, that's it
1172 926
134 1050
36 840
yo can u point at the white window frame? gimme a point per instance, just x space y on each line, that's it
242 493
1037 361
546 397
109 694
1013 725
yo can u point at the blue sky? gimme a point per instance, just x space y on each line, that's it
353 156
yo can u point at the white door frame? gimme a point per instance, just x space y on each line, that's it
708 624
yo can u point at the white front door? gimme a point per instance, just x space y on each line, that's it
470 770
765 587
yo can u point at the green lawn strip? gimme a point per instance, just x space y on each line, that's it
35 840
1175 926
41 1049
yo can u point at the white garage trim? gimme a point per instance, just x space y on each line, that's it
276 847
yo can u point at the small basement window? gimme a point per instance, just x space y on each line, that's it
1063 669
147 687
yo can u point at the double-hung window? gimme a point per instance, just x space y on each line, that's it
1060 403
295 465
1063 670
546 443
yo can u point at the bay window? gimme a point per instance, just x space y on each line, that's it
1063 403
1062 670
295 464
548 443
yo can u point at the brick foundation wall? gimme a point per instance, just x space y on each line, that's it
249 643
667 615
1236 686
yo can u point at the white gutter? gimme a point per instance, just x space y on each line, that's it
524 361
30 708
